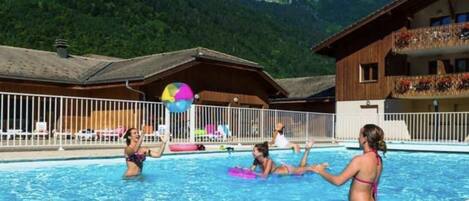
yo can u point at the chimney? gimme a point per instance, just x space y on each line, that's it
61 46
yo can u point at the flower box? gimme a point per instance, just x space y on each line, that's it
444 83
423 84
403 86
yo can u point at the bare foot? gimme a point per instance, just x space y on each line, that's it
309 144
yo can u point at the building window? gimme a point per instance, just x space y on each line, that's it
462 65
369 72
438 21
463 17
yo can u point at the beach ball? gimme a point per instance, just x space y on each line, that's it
177 97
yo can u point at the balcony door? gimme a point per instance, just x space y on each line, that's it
445 67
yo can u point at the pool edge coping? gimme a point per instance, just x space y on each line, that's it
168 153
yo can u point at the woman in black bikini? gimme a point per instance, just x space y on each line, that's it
365 170
135 154
262 159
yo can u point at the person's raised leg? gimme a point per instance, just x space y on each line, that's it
304 159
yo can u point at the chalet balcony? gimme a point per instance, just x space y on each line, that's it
445 39
431 86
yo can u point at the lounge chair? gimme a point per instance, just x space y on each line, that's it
148 132
224 130
23 135
108 134
120 130
64 135
40 130
86 134
10 133
212 133
161 131
200 134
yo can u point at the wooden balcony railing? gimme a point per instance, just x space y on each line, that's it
438 37
431 86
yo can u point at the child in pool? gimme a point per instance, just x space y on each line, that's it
260 152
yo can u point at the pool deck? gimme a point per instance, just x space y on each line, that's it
50 155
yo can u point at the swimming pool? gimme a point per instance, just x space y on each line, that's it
407 176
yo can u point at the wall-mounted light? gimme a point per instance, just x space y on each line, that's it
196 96
435 102
368 102
235 99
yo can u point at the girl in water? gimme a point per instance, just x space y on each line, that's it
260 153
365 169
135 154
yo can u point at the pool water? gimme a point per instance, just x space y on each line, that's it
406 176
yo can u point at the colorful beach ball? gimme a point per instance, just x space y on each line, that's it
177 97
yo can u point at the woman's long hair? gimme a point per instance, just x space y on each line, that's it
127 136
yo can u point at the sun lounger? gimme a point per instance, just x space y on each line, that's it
40 130
10 133
107 134
86 134
224 130
64 135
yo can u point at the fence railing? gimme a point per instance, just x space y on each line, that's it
28 120
445 85
42 120
447 36
440 127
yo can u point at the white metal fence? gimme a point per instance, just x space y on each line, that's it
441 127
41 120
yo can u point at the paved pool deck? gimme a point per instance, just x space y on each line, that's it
78 153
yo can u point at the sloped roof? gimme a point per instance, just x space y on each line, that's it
147 66
21 63
389 8
44 66
307 87
103 57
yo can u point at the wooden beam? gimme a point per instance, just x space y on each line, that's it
451 10
227 98
105 86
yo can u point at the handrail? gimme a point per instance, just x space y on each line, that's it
452 35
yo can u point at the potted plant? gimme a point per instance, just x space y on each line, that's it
464 82
403 40
444 83
464 33
423 84
403 86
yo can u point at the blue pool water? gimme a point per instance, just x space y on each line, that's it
406 176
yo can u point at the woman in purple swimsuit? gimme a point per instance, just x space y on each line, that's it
365 169
135 154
